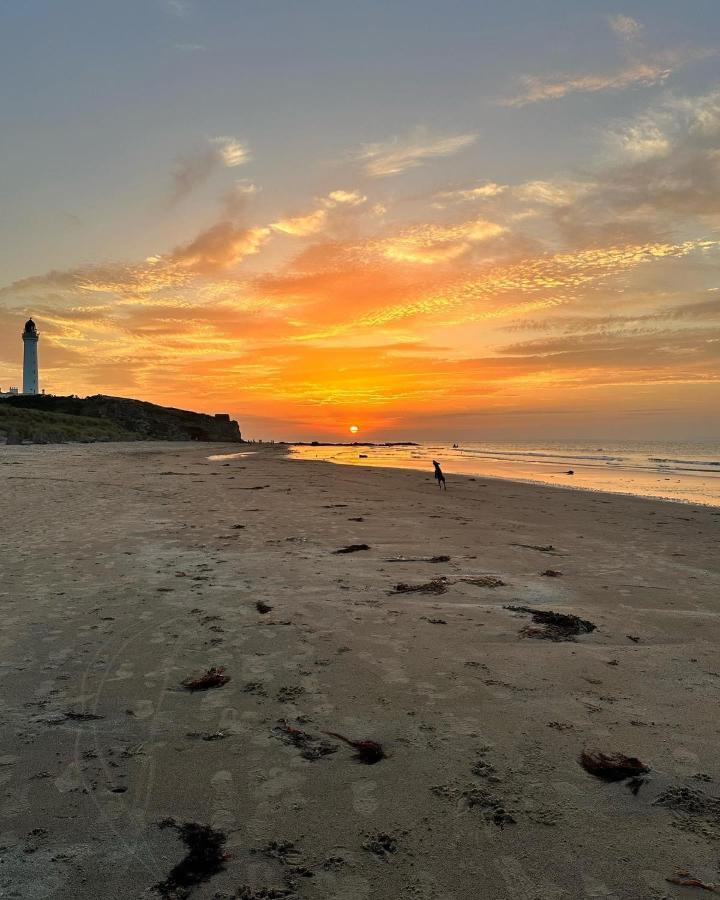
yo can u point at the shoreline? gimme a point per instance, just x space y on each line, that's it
526 481
144 565
516 479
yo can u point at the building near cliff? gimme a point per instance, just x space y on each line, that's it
31 380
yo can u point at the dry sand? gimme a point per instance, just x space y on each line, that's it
123 573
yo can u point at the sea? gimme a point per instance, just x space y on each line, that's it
687 472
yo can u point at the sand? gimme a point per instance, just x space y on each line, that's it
126 569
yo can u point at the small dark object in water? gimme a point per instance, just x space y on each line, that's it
238 526
263 607
82 716
612 766
214 677
368 752
635 638
352 548
363 456
551 573
555 626
356 519
569 472
436 586
205 857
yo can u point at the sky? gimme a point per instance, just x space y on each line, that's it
436 221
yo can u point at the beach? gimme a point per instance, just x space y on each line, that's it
129 571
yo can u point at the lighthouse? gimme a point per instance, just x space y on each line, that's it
30 358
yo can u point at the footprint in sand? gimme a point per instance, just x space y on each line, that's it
364 801
144 709
224 807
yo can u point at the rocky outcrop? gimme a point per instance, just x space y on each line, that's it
133 418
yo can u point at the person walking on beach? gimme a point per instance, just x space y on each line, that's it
439 475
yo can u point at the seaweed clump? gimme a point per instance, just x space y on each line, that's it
205 857
553 626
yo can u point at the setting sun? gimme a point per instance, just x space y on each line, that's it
354 429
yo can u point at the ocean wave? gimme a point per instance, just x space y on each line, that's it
523 454
684 462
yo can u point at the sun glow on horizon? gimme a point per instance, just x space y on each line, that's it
354 429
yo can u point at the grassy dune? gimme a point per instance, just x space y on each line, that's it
18 424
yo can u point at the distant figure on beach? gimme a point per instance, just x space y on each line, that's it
439 475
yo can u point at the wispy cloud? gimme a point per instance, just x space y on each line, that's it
625 26
400 154
641 69
344 198
535 89
302 226
314 222
220 247
232 151
429 244
555 192
193 170
465 195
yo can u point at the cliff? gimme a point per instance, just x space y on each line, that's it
115 418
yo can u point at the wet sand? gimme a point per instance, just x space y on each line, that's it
127 569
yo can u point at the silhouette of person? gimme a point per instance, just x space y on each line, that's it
439 475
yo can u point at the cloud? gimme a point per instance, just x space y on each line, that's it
649 72
641 140
344 198
664 177
314 222
219 247
556 277
672 121
232 151
193 170
302 226
535 89
625 26
429 244
398 155
557 192
479 192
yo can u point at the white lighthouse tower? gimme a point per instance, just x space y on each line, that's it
30 359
